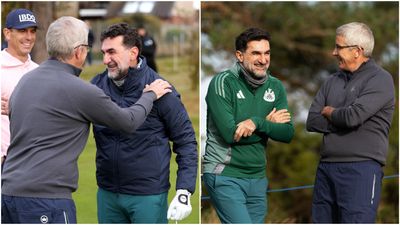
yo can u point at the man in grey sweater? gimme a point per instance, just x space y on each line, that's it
50 112
353 110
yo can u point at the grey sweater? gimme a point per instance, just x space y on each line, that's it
359 127
50 112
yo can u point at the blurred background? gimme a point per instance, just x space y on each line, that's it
303 38
174 26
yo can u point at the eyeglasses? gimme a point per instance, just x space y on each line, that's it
84 45
339 47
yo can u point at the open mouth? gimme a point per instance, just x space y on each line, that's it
340 60
26 45
260 67
112 66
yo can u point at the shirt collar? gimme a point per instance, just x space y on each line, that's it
8 60
139 64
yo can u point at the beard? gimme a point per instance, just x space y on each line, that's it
117 73
255 71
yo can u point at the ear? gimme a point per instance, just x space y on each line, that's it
77 52
6 33
134 52
357 53
239 55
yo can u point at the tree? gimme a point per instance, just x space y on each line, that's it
45 15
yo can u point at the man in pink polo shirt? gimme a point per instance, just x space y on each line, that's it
20 34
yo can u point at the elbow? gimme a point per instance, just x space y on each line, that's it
310 123
287 137
290 136
309 126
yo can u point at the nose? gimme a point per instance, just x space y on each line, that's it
106 59
263 59
30 35
335 52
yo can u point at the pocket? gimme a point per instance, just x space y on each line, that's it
43 217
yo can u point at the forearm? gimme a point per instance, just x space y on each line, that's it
347 117
141 109
99 109
318 123
254 138
187 159
282 132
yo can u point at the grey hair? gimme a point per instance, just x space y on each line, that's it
357 34
65 34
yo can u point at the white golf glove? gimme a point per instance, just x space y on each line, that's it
180 206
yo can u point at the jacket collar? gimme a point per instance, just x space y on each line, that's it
68 68
365 66
133 80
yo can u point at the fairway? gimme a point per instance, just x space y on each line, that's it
85 196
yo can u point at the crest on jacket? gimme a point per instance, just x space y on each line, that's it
269 95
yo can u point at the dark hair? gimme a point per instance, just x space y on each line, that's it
251 34
131 37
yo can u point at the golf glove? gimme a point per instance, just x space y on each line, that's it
180 206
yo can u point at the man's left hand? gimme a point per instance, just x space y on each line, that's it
180 206
327 112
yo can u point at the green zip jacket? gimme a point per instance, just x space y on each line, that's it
230 100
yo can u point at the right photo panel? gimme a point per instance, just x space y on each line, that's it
299 112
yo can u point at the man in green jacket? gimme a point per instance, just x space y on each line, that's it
246 106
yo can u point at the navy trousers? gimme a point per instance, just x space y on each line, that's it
347 192
37 210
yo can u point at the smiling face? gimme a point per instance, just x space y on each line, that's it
256 57
117 57
20 41
347 57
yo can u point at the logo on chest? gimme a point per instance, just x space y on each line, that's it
240 95
269 95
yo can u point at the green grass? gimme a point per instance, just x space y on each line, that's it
85 196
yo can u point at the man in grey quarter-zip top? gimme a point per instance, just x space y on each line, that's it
353 110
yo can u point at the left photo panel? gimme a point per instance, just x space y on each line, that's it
100 112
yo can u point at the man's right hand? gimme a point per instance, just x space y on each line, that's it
159 87
4 105
280 116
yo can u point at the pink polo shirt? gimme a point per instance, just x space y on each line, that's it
12 69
